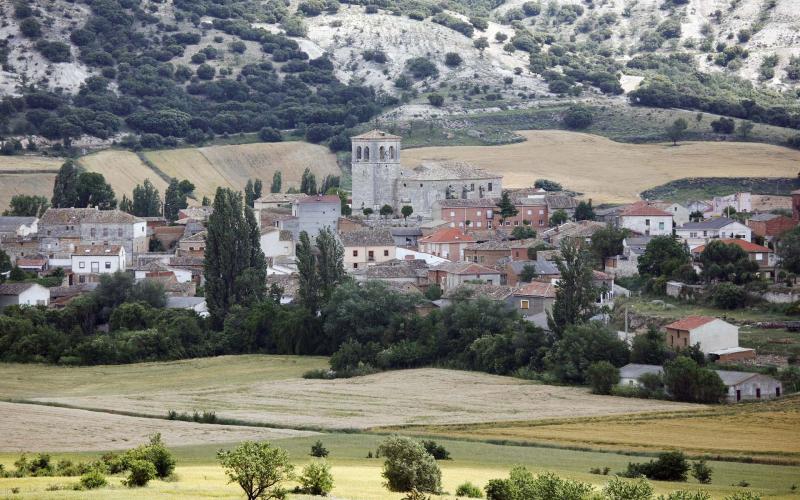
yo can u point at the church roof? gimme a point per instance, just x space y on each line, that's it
377 135
447 170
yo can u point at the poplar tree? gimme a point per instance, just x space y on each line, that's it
65 187
146 200
308 183
258 187
575 291
249 193
235 267
126 205
276 182
308 288
174 200
330 263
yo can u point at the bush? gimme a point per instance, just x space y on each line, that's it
523 485
269 134
602 376
140 472
578 117
687 495
620 489
54 51
498 489
156 453
316 478
744 495
452 60
436 450
723 125
318 450
30 27
468 490
206 72
702 472
93 479
728 296
436 100
421 68
669 466
408 466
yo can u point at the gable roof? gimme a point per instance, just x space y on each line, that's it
536 289
367 238
97 250
15 288
328 198
464 268
543 267
690 322
560 201
743 244
716 223
87 215
764 217
197 237
477 290
447 235
642 209
446 170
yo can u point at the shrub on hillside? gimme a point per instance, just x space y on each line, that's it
316 478
93 479
728 296
420 68
318 450
140 472
620 489
408 466
578 117
269 134
669 466
436 450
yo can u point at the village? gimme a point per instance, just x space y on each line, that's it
440 229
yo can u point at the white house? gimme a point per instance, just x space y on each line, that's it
447 243
276 242
700 233
23 294
680 214
646 220
90 260
715 337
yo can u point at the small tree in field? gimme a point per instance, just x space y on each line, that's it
481 44
368 211
702 472
676 130
409 466
258 468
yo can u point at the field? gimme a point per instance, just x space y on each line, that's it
27 175
607 171
428 396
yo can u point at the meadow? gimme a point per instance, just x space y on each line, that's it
613 172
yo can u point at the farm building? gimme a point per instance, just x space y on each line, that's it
23 294
716 337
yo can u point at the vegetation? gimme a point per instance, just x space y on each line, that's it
259 468
409 467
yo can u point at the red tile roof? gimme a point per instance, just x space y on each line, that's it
642 209
690 322
447 235
537 289
743 244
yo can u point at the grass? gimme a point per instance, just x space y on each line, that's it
674 309
778 341
700 188
358 478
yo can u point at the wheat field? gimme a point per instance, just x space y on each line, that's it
608 171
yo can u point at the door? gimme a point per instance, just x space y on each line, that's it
777 392
758 392
738 395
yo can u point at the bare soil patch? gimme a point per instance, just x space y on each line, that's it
26 427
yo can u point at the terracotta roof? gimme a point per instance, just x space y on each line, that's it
560 201
328 198
743 244
463 268
376 135
537 289
690 322
367 237
447 235
97 250
31 262
642 209
600 275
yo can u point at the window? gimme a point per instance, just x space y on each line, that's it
524 304
647 222
758 256
489 187
95 267
541 222
355 253
541 211
355 265
472 187
452 213
82 279
391 152
692 235
358 153
382 153
530 212
82 265
386 253
661 225
370 255
366 153
93 232
420 184
478 213
478 223
108 265
119 232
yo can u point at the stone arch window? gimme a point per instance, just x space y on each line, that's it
366 153
382 153
358 153
391 152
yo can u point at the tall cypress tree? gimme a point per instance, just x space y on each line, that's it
249 193
65 188
506 206
258 187
308 289
308 183
235 268
277 180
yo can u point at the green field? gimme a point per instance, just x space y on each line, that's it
358 478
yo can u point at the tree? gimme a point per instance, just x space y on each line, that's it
528 273
559 217
205 202
275 187
258 188
701 471
581 345
5 265
65 187
316 478
433 292
727 262
308 183
235 267
676 130
386 210
575 292
407 210
602 376
175 200
482 43
436 100
126 205
258 468
330 263
94 191
607 242
269 134
452 60
308 290
507 208
23 205
788 249
146 200
662 256
547 185
249 193
409 466
745 128
584 211
523 232
578 117
686 381
649 348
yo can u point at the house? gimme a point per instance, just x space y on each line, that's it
448 243
23 294
739 202
467 213
199 214
740 386
315 213
646 220
695 234
12 227
90 261
196 304
627 263
680 214
409 254
546 271
560 201
410 271
454 274
405 236
580 231
20 248
367 247
32 264
277 200
276 243
769 226
193 246
532 210
62 229
761 255
490 252
534 298
700 206
280 218
604 283
472 291
717 338
154 268
168 236
350 223
195 265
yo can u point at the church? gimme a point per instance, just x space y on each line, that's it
379 179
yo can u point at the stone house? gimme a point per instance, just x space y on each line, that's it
13 228
367 247
199 214
560 201
740 202
455 274
769 226
396 271
277 200
646 220
580 231
23 294
534 298
695 234
627 263
88 262
761 255
716 337
315 213
472 291
276 243
448 243
546 271
407 236
680 214
62 229
193 246
21 248
168 236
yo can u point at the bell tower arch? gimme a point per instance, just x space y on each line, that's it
375 168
